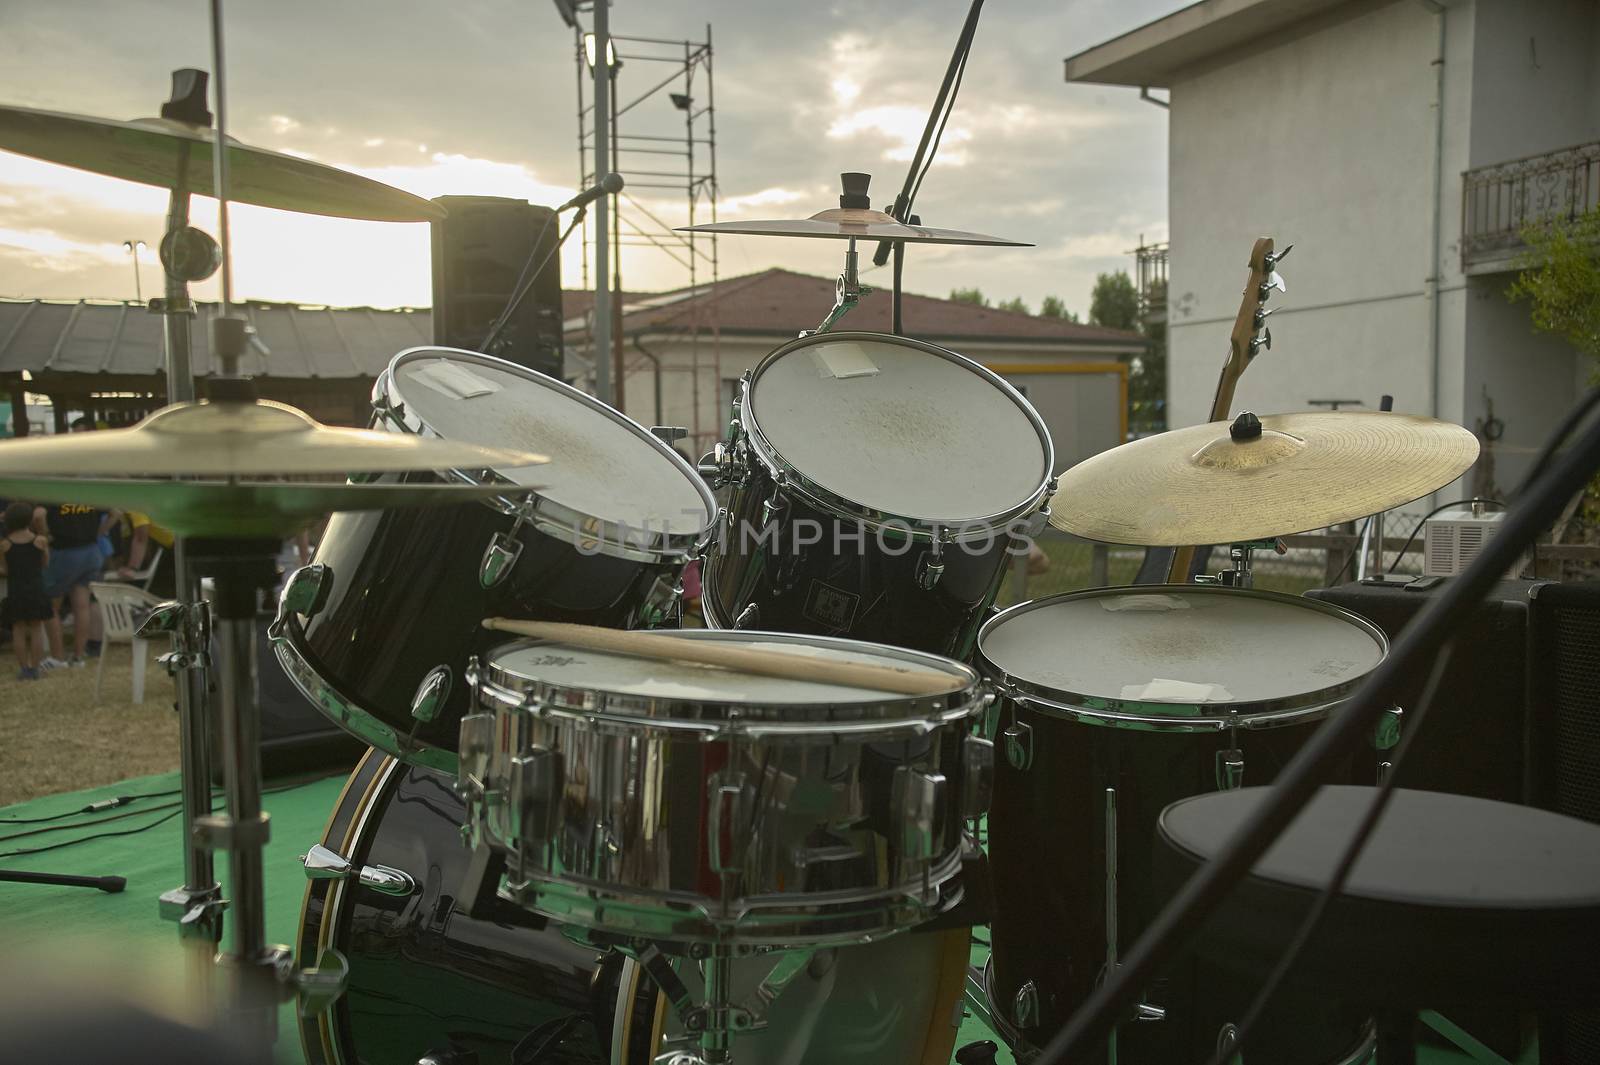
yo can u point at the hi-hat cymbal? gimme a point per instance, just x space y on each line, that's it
1200 485
207 439
153 151
841 222
240 510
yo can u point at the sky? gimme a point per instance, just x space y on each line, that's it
478 97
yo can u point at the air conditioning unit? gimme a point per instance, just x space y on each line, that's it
1452 538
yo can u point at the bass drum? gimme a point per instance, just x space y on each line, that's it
429 983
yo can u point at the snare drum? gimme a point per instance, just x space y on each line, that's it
879 486
430 982
1115 703
377 630
675 803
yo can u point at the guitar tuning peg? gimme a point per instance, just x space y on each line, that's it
1261 316
1262 340
1275 281
1266 337
1278 257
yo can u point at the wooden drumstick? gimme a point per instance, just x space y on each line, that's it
726 655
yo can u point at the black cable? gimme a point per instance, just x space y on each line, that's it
1341 873
90 824
939 133
1442 506
522 1054
100 835
527 281
92 808
1351 557
1172 927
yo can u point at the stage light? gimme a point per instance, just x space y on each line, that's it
589 51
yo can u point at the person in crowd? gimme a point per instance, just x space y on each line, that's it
145 533
25 555
75 561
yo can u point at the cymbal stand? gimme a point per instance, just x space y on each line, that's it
187 255
1242 575
848 291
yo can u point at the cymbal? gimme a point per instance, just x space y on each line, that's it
240 510
210 439
840 222
1304 471
151 151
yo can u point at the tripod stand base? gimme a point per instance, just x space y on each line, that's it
111 885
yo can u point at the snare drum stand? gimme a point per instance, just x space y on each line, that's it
716 1019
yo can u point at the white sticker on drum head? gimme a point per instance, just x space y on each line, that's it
1161 690
1144 603
843 360
455 381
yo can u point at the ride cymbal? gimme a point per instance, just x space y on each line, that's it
241 510
864 223
227 439
1211 484
160 151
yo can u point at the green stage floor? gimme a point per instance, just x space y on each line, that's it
74 922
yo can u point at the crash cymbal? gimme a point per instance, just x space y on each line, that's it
841 222
1208 485
239 510
152 150
207 439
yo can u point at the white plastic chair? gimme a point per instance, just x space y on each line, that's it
141 577
122 608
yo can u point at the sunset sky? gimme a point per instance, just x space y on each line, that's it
479 98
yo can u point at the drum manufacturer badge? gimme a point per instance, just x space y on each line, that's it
831 606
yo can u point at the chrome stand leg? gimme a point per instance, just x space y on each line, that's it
1111 906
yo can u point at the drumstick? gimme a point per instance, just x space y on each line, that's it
725 655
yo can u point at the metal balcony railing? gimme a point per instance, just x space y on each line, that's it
1150 262
1499 201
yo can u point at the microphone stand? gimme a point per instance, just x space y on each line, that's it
901 211
1538 505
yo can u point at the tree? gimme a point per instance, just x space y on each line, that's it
1560 278
1013 305
968 295
1053 307
1114 302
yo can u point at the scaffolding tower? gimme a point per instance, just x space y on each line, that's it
649 158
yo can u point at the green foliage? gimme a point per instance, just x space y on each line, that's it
1053 307
1560 279
1115 302
968 295
1014 305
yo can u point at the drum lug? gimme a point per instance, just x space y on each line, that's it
977 776
774 506
498 558
535 795
305 592
1386 733
1149 1011
1025 1005
916 794
748 618
1230 769
1019 745
431 695
930 564
321 987
1227 1041
727 794
322 863
724 464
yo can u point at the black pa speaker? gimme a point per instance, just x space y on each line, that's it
483 251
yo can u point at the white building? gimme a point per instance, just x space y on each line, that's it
1399 145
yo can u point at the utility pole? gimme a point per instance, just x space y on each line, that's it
602 156
138 287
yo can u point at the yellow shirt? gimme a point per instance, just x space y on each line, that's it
158 534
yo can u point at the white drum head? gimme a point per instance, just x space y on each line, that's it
601 463
557 664
896 428
1180 646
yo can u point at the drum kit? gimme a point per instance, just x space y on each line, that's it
757 841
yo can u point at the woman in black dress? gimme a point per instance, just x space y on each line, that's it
25 556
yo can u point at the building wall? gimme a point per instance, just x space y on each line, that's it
1321 137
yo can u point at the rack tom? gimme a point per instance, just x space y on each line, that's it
378 629
1114 703
675 803
878 487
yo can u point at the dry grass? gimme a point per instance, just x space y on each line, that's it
53 739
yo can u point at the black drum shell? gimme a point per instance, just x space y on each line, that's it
1047 851
853 582
404 596
424 976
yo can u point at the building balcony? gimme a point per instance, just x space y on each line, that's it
1150 261
1498 202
